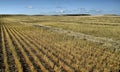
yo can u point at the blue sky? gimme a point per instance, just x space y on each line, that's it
59 6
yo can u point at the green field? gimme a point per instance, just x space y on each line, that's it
59 44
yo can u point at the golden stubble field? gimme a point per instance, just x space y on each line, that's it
59 44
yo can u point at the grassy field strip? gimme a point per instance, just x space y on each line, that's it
69 22
16 58
64 22
100 40
89 23
83 54
111 32
38 64
26 63
65 66
108 19
89 29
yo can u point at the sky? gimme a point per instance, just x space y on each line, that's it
31 7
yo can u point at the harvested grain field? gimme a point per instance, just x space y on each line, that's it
59 44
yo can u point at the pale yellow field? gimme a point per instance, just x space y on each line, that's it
59 44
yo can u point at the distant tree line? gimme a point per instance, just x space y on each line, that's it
10 15
76 15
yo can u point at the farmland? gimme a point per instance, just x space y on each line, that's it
60 44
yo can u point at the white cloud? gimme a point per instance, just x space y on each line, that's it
96 11
60 11
30 7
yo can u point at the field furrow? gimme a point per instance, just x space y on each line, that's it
26 63
41 54
52 55
2 67
7 51
14 53
6 68
27 48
